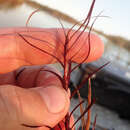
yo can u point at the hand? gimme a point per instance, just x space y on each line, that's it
45 102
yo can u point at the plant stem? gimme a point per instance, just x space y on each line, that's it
66 64
89 102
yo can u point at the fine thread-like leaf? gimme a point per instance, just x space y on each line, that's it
85 80
62 27
37 39
76 108
85 111
76 53
89 47
44 41
39 10
81 110
31 16
48 43
87 18
60 78
18 74
94 124
41 49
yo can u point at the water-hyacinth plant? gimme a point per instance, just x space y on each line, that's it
66 50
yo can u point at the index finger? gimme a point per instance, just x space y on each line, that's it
35 46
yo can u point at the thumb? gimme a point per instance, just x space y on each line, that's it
41 106
56 104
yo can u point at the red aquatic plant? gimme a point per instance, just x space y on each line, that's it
67 49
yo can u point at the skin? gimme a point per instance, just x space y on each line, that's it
45 102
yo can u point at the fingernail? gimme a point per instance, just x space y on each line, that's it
54 97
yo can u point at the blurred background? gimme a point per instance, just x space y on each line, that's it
112 27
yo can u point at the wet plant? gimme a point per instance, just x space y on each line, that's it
65 58
71 40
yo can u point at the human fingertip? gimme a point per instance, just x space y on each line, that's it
55 98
